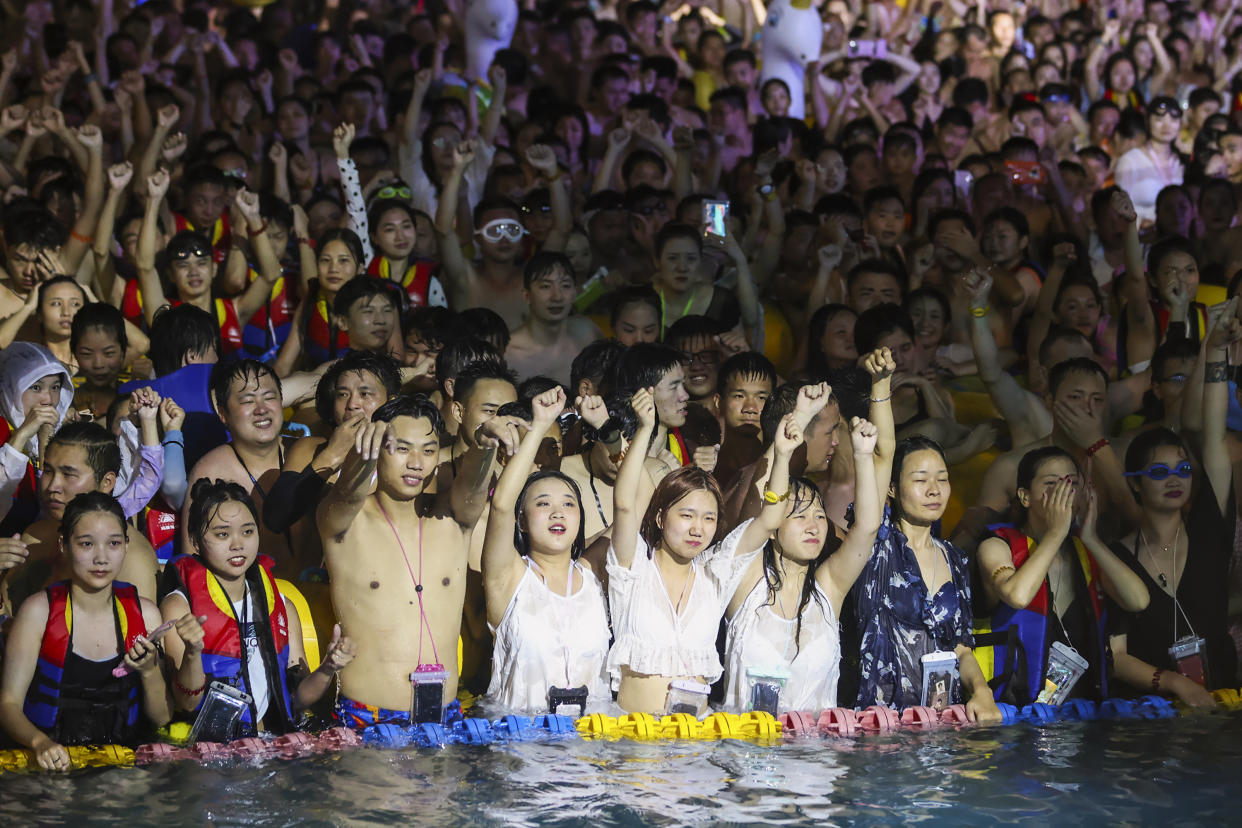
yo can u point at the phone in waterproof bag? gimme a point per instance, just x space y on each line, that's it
1065 668
222 709
1025 172
940 679
686 697
1189 653
715 218
427 683
568 701
765 688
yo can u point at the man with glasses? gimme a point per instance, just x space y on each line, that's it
697 338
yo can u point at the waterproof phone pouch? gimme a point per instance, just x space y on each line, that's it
766 685
715 215
568 697
427 684
1065 668
940 680
686 697
218 717
1189 653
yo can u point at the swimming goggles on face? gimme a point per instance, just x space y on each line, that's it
498 229
392 191
190 251
1159 471
1166 108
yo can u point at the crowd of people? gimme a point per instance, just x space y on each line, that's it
583 377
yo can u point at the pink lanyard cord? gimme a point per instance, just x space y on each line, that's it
418 582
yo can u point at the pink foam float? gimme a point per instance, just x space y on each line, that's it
919 717
838 721
879 719
797 723
954 714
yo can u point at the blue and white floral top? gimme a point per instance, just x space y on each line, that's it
900 623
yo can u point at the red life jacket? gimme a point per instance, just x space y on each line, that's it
230 326
131 304
323 340
221 235
27 490
416 283
268 328
42 704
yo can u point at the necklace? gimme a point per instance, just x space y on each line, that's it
1177 536
418 582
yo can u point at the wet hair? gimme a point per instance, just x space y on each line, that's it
851 389
358 289
103 454
181 332
876 196
877 322
86 503
880 266
33 225
1078 365
1080 280
1028 467
950 214
816 362
803 495
780 403
1167 352
380 366
487 325
61 279
901 453
544 262
223 374
676 230
1057 334
415 406
384 205
521 540
1164 248
206 498
643 366
635 295
933 293
98 316
670 491
1143 448
470 375
459 353
746 364
595 362
434 325
1011 216
692 326
347 237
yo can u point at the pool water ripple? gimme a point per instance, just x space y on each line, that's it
1171 772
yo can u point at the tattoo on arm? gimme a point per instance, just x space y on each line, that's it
1216 372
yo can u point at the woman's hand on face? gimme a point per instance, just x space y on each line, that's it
1058 504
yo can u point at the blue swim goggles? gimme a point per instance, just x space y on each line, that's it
1159 471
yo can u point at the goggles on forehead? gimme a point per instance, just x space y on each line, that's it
498 229
193 250
1057 97
392 191
1166 108
1159 471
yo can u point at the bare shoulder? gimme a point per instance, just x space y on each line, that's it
218 462
583 330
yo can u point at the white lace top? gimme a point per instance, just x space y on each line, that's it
651 638
759 637
549 640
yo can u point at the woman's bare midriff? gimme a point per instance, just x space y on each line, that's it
648 694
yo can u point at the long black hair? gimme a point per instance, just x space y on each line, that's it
521 539
904 449
206 498
83 505
803 495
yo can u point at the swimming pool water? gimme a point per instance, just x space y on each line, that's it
1168 772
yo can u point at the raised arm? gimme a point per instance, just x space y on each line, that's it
618 142
1215 356
1134 293
456 268
626 516
165 120
496 109
355 204
846 564
502 565
881 366
148 277
80 238
1011 401
257 293
1063 255
119 176
543 159
344 500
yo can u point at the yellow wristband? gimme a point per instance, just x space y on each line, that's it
979 313
770 496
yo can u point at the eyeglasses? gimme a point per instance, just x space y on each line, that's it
498 229
392 191
1159 471
441 142
702 357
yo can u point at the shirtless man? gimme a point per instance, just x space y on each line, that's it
247 398
495 282
404 613
550 338
744 383
80 457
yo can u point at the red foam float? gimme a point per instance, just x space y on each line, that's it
954 714
879 719
838 721
919 717
798 723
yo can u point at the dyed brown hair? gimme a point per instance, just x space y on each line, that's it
675 486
